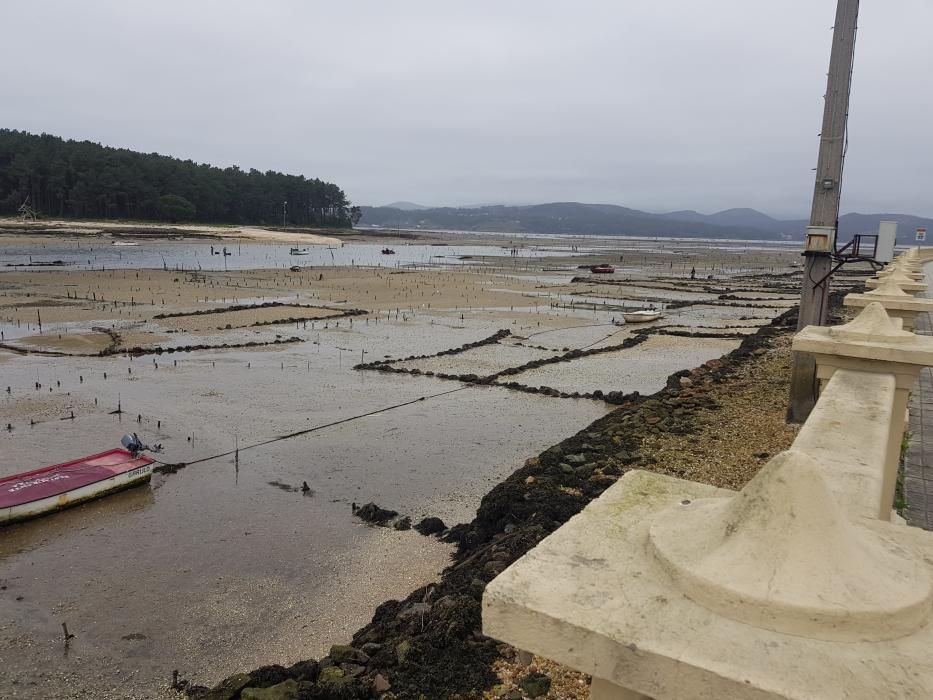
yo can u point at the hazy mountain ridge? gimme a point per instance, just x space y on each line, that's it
742 217
406 206
615 220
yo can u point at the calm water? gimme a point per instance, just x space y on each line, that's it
82 255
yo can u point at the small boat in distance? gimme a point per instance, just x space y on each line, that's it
388 251
124 243
602 269
641 316
298 251
49 489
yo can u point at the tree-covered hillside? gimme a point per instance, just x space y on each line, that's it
82 179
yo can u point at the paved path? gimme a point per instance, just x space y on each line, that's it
918 463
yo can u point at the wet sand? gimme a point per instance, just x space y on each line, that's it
224 565
134 231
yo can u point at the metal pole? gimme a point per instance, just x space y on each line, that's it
814 291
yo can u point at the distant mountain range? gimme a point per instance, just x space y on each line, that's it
406 206
614 220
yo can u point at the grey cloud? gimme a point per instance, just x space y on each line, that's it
646 104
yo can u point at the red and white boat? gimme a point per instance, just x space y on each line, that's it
46 490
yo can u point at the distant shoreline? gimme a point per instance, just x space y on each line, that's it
154 230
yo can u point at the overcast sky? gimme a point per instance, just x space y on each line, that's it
649 104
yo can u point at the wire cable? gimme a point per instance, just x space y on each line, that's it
306 431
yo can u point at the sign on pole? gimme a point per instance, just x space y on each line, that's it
921 234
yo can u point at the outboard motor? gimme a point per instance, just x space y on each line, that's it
132 443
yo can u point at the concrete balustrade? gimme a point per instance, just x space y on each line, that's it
916 255
902 280
873 343
904 265
912 275
904 271
799 586
896 301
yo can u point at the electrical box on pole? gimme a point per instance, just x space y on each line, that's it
820 239
824 215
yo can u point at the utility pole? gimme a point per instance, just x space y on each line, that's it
284 211
824 215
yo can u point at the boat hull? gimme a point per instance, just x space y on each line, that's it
641 318
44 491
46 506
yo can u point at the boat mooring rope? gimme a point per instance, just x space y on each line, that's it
170 468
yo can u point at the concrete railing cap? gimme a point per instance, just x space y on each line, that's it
873 324
889 288
782 555
872 335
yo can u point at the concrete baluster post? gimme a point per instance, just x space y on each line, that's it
873 342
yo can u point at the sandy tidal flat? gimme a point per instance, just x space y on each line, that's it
227 565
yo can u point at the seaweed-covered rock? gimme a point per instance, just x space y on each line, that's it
430 526
229 687
372 513
304 670
266 676
345 654
286 690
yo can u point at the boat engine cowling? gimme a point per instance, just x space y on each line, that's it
131 442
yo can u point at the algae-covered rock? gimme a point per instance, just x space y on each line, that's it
402 650
286 690
332 675
343 653
229 687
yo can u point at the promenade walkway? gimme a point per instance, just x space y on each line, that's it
918 462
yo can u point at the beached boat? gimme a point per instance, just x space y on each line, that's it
49 489
602 269
642 316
